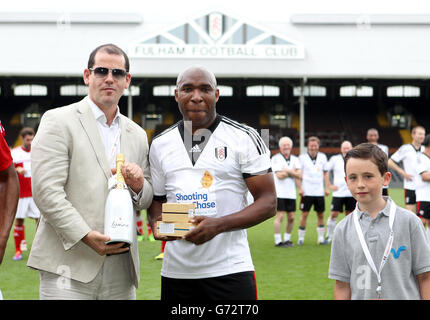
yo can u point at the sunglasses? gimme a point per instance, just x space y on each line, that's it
101 72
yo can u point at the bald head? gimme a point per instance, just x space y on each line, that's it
193 69
345 147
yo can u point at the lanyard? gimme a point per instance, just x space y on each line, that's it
366 248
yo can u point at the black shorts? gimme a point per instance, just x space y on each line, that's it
338 204
288 205
236 286
307 202
410 197
423 209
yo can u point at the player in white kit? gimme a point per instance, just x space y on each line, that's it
286 170
26 207
423 184
341 197
408 155
313 188
211 161
372 137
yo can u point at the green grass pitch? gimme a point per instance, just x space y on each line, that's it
296 273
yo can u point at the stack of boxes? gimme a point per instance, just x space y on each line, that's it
175 219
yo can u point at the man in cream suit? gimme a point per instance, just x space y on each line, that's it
73 156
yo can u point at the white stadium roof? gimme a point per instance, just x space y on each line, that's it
376 39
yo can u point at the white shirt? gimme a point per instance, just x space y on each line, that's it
337 165
409 156
313 174
285 188
384 148
216 184
110 135
422 191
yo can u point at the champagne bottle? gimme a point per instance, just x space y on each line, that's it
119 212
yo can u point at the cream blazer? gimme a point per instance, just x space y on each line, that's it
70 173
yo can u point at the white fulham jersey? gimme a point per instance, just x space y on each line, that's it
337 165
422 191
213 177
384 148
408 155
285 188
313 174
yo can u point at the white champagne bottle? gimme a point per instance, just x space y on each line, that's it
119 212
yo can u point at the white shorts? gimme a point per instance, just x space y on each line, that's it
27 209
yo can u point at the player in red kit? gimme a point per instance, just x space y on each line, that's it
26 207
9 192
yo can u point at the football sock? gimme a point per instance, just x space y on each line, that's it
18 235
139 224
320 231
148 226
302 232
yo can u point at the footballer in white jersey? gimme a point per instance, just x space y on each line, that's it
211 161
372 137
408 155
286 168
313 188
285 188
341 196
423 184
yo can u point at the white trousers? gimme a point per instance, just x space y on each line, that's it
113 282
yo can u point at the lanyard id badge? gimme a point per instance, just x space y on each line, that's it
366 248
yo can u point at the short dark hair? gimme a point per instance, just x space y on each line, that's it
371 152
110 49
314 138
26 131
426 141
416 128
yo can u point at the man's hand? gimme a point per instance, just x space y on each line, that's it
408 176
20 170
96 241
301 192
206 228
133 175
333 187
159 237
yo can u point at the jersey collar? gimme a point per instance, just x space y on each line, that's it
198 142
